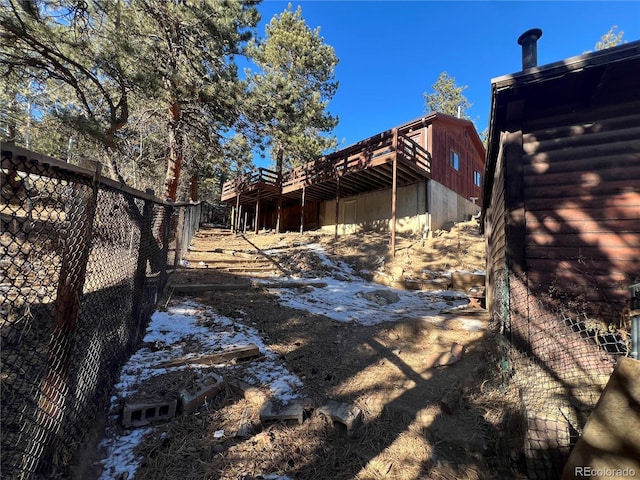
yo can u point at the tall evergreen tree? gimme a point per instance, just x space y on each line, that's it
118 55
447 97
610 39
292 90
75 44
187 50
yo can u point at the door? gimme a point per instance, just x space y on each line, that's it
349 217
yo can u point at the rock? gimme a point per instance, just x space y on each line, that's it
397 272
382 297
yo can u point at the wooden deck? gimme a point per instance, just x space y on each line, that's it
365 166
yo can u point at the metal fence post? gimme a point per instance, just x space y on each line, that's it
80 214
179 237
166 232
144 248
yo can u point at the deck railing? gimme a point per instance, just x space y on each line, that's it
368 153
248 181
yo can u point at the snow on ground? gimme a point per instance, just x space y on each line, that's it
192 327
169 336
347 301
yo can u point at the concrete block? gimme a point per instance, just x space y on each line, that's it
272 413
348 415
250 393
143 413
205 390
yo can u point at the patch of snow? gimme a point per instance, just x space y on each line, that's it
167 338
340 301
343 301
121 458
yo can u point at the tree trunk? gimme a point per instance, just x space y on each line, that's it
193 188
279 163
175 151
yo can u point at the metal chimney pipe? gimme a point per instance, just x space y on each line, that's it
529 42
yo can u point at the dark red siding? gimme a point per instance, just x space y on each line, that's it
451 134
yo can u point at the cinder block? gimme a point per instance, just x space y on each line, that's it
205 390
348 415
271 413
141 414
250 393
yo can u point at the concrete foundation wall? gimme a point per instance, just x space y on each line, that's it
446 206
372 211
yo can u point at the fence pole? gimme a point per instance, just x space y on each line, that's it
144 248
53 389
179 233
166 232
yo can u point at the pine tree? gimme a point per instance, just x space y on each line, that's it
188 51
292 90
118 56
610 39
447 97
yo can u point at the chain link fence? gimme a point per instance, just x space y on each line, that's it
215 214
83 263
557 360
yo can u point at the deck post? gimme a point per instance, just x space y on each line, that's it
234 224
394 191
304 191
257 226
278 213
337 205
279 183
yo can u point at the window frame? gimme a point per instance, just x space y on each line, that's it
477 178
454 160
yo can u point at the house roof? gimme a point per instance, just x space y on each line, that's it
425 120
560 87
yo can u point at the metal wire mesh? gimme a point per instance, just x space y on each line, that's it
215 214
560 360
83 263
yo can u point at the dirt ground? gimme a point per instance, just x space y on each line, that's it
419 421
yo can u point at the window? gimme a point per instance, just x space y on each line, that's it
454 160
477 179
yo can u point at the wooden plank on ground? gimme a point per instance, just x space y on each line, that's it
259 268
236 353
213 287
463 281
610 441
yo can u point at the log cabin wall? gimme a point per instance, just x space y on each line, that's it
495 242
562 220
581 178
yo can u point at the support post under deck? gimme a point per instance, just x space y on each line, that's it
394 192
337 206
304 191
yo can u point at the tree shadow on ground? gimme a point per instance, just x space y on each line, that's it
406 433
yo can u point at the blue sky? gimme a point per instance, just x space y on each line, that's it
391 52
